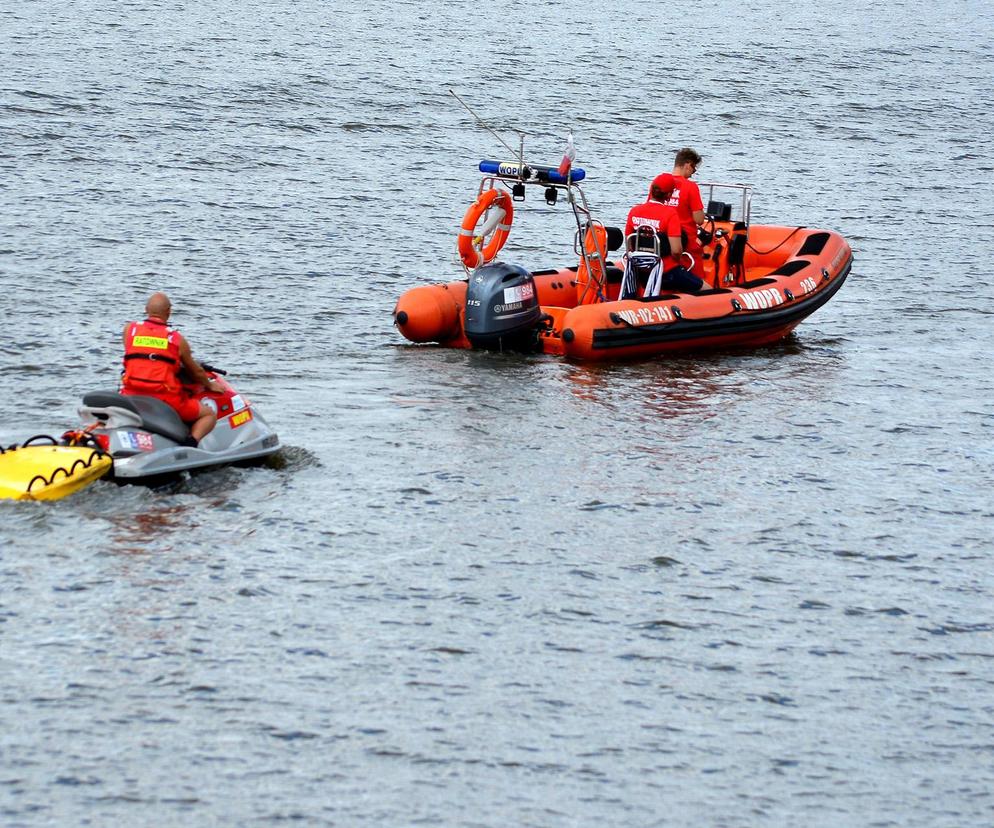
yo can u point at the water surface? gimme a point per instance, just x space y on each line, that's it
486 590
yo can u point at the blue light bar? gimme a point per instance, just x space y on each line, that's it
532 172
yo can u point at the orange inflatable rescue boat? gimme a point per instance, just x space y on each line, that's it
761 281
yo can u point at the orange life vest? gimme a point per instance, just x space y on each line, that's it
151 359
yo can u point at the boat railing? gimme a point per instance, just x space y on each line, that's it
717 208
517 175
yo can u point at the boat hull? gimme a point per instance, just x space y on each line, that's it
782 276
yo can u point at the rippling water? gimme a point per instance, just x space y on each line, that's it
483 590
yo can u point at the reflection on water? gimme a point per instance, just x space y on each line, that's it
139 532
669 388
664 389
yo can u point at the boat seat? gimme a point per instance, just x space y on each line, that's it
645 241
157 416
615 238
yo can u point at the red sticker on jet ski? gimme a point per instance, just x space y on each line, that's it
240 418
144 441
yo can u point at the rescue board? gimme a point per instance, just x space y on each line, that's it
49 472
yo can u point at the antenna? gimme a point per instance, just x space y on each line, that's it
521 136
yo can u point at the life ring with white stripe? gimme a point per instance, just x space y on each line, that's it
474 249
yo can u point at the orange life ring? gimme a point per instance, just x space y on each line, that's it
469 251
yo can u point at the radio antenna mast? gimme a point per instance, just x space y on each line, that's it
520 152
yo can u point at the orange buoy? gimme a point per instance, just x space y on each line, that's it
471 249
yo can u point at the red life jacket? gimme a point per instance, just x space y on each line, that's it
151 359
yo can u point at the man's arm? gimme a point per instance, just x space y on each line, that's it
696 205
193 367
674 232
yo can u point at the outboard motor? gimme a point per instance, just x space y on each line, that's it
502 309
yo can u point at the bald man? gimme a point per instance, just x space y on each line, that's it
154 354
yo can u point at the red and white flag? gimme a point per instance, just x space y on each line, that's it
568 157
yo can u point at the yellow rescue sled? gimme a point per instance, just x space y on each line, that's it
48 472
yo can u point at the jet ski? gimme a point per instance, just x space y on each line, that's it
146 438
136 439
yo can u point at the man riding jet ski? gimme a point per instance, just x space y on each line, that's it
154 358
146 438
172 413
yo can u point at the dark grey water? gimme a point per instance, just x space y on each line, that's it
730 589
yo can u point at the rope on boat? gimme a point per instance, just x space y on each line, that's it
51 440
772 249
617 318
80 463
28 442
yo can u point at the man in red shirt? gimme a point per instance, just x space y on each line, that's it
154 354
686 198
662 220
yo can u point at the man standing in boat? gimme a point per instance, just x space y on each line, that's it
686 198
661 220
154 354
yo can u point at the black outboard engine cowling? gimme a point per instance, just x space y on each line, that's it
502 310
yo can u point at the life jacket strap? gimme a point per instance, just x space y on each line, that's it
153 357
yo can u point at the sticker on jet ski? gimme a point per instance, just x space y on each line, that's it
241 418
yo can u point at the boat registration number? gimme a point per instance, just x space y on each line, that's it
652 315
